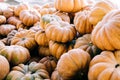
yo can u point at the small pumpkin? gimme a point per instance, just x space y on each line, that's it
48 5
78 61
41 38
15 54
32 71
4 67
45 19
60 31
2 19
25 38
74 5
50 62
36 27
29 17
5 29
105 66
106 35
8 12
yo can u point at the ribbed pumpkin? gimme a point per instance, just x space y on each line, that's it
99 10
5 29
82 23
72 62
4 67
20 7
25 38
2 19
8 12
15 54
60 31
58 49
29 17
55 75
33 71
47 19
106 34
74 5
85 43
105 66
41 38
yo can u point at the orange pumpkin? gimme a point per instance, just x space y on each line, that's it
75 60
99 10
4 67
15 54
106 33
29 17
20 7
74 5
82 23
25 38
5 29
60 31
2 19
32 71
55 75
105 66
8 12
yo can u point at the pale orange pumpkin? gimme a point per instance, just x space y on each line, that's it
106 34
8 12
4 67
60 31
74 5
105 66
48 5
2 19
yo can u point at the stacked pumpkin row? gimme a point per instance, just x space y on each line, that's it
59 42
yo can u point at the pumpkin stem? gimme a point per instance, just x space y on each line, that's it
23 39
117 65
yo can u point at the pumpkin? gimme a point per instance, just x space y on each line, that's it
99 10
48 5
19 8
2 19
106 33
64 16
45 19
44 51
74 5
15 21
8 12
85 43
4 67
15 54
41 38
25 38
50 63
32 71
29 17
58 49
82 23
72 62
36 27
60 31
55 75
105 66
5 29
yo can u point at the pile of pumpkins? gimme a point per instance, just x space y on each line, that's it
60 40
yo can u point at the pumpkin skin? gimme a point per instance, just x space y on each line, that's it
15 21
41 38
4 67
99 10
33 71
58 49
25 38
29 17
60 31
74 5
20 7
77 59
82 23
85 43
5 29
45 19
2 19
50 62
106 33
105 66
55 75
8 12
15 54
